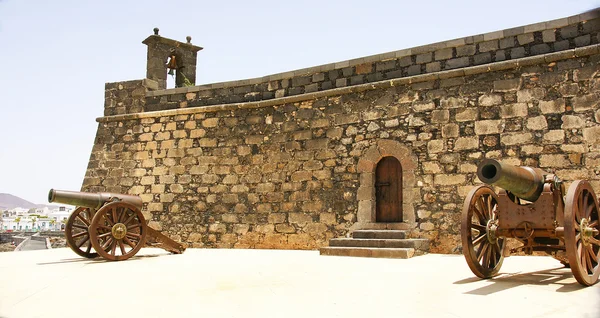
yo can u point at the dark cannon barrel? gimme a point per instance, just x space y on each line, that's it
91 200
525 182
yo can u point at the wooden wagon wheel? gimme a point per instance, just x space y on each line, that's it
582 232
482 249
118 231
77 233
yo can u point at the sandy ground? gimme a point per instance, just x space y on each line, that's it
279 283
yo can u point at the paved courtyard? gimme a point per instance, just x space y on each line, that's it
277 283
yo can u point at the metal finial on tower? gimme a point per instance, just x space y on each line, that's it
155 31
189 39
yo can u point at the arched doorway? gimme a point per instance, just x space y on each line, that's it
388 190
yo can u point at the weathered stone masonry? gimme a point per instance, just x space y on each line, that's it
293 171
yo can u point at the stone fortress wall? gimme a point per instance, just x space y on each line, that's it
288 160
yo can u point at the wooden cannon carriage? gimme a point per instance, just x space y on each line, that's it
112 224
531 207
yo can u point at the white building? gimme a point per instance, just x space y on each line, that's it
52 219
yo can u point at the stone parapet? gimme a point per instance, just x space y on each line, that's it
484 49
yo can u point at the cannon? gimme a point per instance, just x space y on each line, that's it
112 224
532 207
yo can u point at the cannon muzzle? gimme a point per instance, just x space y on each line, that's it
525 182
91 200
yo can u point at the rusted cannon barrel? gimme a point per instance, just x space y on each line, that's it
91 200
525 182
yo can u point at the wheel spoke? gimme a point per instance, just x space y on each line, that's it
80 244
107 219
479 239
89 248
104 235
134 226
80 226
594 241
489 207
134 235
479 227
591 256
481 251
486 257
129 219
129 242
122 247
113 247
593 223
107 243
80 234
114 215
589 209
86 222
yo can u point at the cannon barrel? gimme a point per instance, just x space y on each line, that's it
525 182
91 200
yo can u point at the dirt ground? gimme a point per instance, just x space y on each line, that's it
7 247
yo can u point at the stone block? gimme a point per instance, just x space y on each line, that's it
516 139
507 85
568 31
572 122
435 146
433 67
431 167
465 50
591 135
457 62
517 52
449 179
487 127
450 131
465 143
466 114
527 95
552 106
440 116
554 136
532 149
525 38
482 58
488 46
513 110
537 123
424 58
422 107
554 160
584 103
539 49
507 42
341 82
490 99
561 45
443 54
414 70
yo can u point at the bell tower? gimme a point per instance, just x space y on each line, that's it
169 56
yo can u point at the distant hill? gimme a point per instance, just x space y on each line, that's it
9 201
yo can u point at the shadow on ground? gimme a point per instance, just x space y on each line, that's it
556 276
99 259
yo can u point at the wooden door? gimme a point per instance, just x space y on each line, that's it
388 190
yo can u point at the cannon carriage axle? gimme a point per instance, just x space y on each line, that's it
533 208
112 225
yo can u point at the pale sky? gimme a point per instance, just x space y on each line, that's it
56 56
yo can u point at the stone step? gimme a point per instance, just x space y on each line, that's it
420 245
368 252
380 234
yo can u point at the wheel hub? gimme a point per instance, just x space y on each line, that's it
119 231
491 228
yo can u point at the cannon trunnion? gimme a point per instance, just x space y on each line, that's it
532 207
111 224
